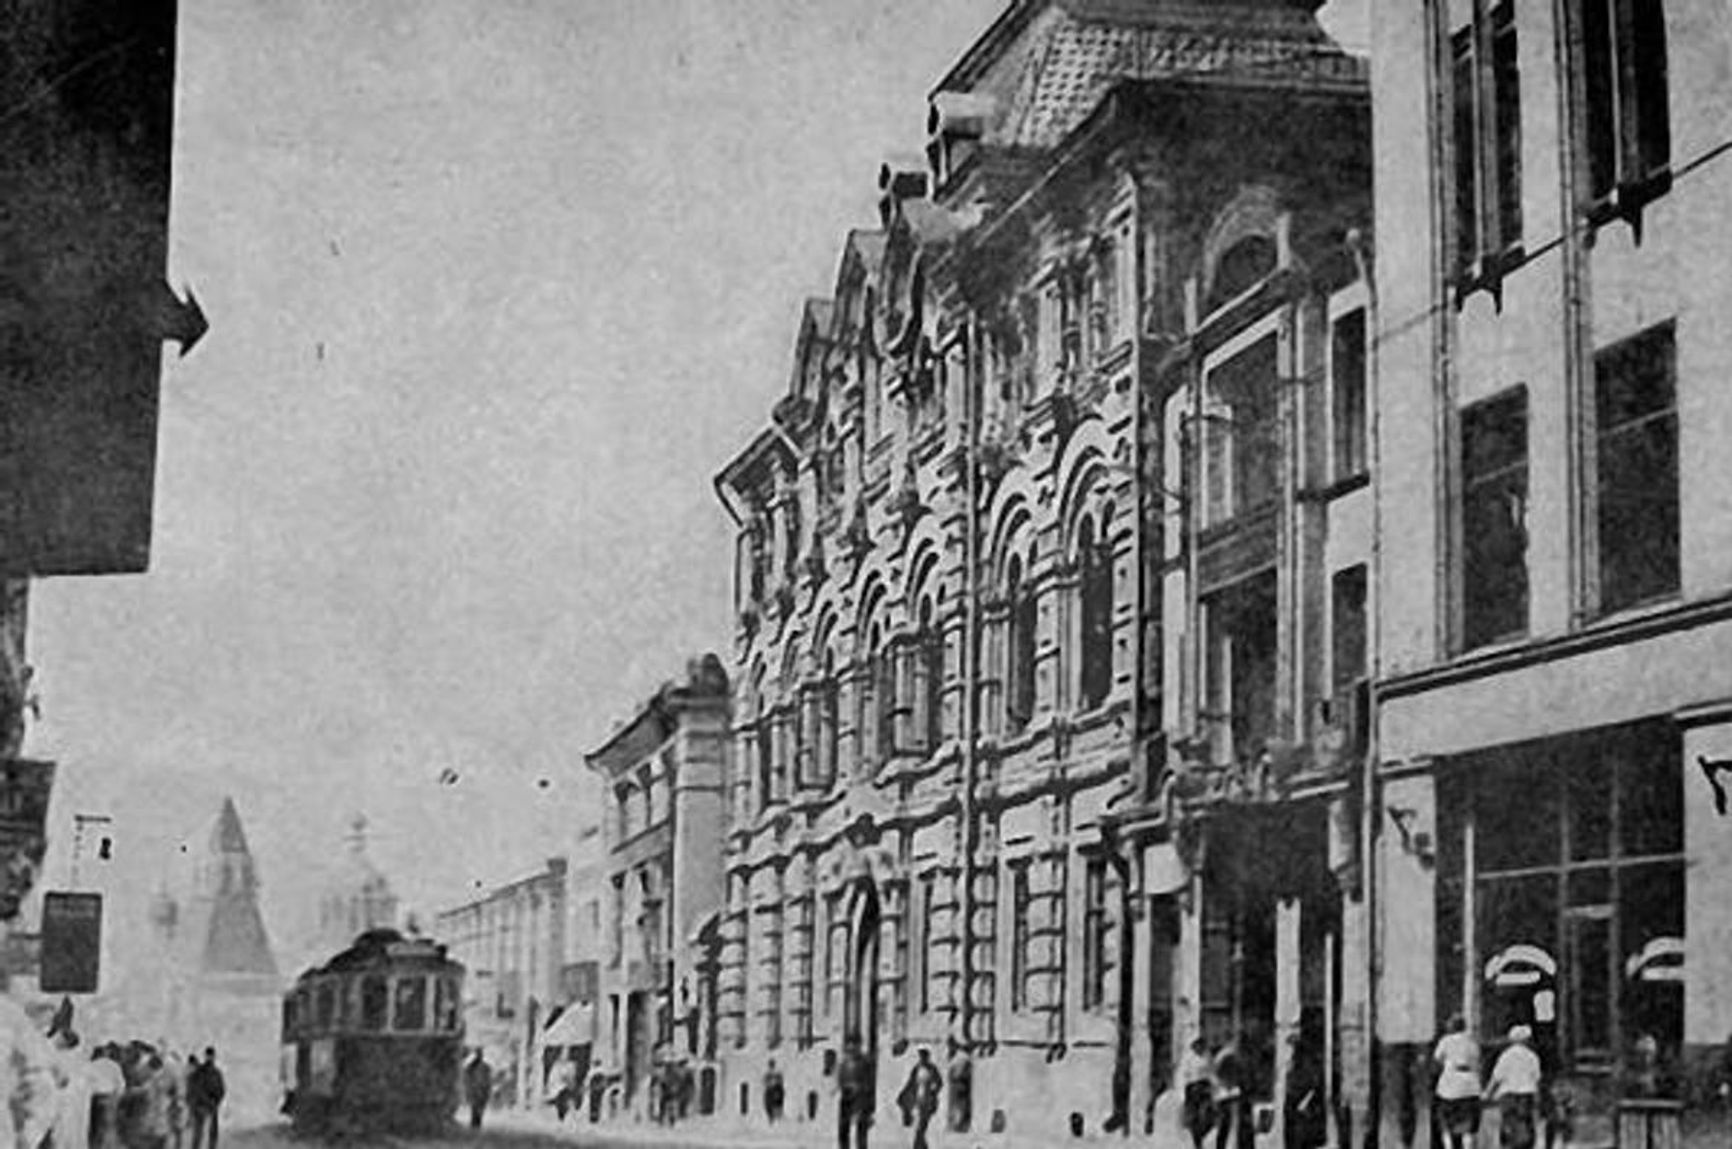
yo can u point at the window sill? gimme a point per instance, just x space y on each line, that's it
1657 604
1487 273
1627 202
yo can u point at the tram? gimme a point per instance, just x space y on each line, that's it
373 1039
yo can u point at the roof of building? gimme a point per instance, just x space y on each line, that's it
1046 64
225 931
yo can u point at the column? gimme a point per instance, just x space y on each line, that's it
1139 927
1287 1002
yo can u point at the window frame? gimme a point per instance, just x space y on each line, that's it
1483 70
1468 637
1349 409
1625 154
1607 540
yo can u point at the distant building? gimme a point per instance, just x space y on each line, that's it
358 899
664 769
511 940
221 985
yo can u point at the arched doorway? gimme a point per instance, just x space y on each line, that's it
860 1013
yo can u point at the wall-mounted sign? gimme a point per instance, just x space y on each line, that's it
71 942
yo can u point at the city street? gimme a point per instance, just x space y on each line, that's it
508 1134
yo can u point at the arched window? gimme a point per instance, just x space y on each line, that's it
884 697
929 678
1242 267
828 739
868 732
1096 556
1019 649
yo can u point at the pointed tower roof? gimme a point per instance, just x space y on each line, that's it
225 929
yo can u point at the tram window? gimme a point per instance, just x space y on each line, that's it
410 1009
445 1005
327 1005
288 1015
375 1001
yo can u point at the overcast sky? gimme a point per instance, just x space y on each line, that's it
495 287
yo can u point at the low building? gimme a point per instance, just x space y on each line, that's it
511 942
664 770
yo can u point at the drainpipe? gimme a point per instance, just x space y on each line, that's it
1370 801
973 370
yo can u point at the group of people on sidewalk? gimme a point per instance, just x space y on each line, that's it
119 1095
1517 1086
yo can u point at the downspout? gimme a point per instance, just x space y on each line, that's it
1370 802
973 370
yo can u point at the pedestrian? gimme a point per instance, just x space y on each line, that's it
152 1127
205 1090
26 1079
1197 1091
174 1085
72 1075
960 1071
775 1092
107 1084
1515 1086
919 1097
565 1087
477 1088
1232 1098
855 1098
1458 1088
1306 1122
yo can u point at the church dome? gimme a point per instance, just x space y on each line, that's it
359 897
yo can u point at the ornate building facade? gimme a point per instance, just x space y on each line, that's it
956 560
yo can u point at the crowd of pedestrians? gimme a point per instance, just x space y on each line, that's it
117 1095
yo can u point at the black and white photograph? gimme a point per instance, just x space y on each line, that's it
888 574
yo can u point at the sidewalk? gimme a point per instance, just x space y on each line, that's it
723 1132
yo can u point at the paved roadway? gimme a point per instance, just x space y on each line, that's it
277 1135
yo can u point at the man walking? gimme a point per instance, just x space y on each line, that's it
205 1089
920 1095
1457 1090
477 1088
854 1099
775 1092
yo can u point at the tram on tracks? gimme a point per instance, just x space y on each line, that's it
373 1039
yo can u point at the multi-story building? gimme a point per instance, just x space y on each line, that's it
952 585
511 941
1555 543
663 884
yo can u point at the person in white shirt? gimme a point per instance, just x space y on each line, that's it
72 1073
1458 1088
26 1080
1515 1086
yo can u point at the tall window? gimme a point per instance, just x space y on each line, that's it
827 740
868 728
765 736
1623 85
1347 394
926 893
929 679
1347 627
1019 935
1239 671
1637 457
1104 298
1019 696
1100 938
1097 613
1242 445
1487 133
1494 493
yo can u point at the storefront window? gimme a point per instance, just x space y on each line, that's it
1577 894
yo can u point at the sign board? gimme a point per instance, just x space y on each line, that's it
71 942
88 87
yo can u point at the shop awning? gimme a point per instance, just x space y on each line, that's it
575 1026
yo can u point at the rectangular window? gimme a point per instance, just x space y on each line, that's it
1494 492
1347 592
1579 887
1624 90
1019 936
1486 99
927 894
1240 688
409 1006
1241 443
1100 893
1637 456
1347 394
